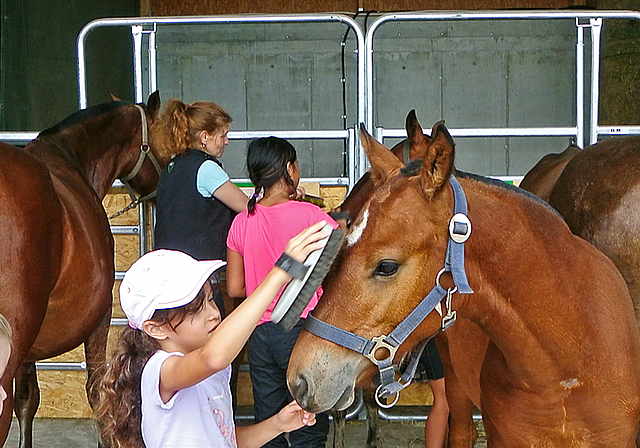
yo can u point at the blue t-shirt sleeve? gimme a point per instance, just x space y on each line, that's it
210 177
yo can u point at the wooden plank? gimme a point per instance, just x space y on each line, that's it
205 7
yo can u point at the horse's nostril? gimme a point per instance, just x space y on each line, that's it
300 391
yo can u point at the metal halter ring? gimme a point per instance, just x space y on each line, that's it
380 342
385 405
438 275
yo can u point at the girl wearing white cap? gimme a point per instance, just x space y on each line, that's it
167 384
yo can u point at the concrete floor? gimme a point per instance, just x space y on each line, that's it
80 433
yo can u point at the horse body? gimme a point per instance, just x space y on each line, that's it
30 223
543 176
598 195
85 281
80 158
549 336
559 367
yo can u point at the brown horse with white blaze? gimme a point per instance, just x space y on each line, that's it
560 368
57 247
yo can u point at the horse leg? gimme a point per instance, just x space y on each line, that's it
339 419
26 401
373 420
462 429
95 354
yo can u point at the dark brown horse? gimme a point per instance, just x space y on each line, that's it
57 248
598 195
595 191
561 365
543 176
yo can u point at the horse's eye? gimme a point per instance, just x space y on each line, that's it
386 268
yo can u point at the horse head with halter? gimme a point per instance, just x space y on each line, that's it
382 349
145 152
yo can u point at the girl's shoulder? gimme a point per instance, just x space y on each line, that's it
298 210
290 206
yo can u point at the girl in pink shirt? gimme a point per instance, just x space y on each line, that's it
256 239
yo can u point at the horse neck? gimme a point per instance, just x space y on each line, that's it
96 152
514 241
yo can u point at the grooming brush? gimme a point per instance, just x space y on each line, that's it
298 292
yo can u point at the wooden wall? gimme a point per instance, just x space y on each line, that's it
205 7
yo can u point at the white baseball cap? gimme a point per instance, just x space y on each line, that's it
162 279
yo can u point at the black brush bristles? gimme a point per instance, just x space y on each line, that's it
314 280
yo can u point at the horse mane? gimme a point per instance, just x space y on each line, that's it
82 115
505 185
414 167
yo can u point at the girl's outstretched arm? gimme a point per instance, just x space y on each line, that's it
226 341
290 418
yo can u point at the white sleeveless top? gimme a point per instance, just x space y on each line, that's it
199 416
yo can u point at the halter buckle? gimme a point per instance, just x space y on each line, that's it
448 320
459 228
379 342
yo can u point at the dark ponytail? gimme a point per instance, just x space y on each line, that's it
267 160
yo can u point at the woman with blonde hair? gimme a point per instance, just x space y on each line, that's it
196 200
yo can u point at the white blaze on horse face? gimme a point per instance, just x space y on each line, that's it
357 229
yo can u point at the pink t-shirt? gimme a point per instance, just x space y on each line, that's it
262 237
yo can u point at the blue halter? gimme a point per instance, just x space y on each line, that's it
459 232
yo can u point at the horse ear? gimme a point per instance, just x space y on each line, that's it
419 141
383 162
153 103
113 97
438 160
411 124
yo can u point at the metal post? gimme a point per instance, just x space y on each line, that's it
136 32
596 27
153 74
580 83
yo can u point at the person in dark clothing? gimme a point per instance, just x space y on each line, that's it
430 369
196 200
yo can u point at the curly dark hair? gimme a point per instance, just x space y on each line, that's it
118 413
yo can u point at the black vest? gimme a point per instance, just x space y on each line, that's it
185 220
